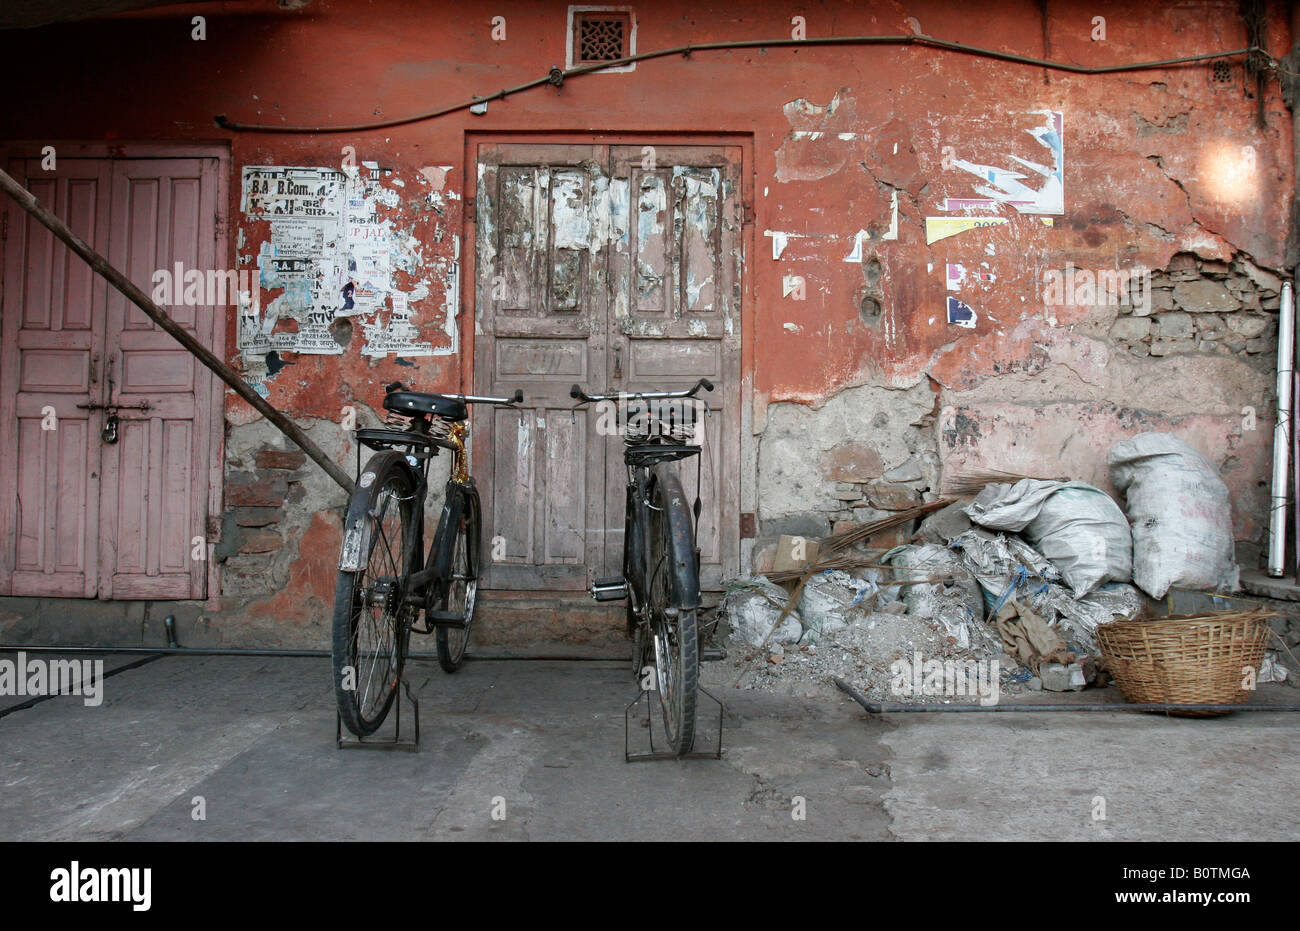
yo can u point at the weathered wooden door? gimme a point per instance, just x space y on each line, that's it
675 278
541 296
154 493
90 517
617 268
51 356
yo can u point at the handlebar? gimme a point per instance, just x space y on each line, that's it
517 398
578 394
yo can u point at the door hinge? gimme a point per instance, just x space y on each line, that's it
213 528
747 214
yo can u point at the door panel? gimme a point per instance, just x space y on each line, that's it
53 331
540 294
164 214
597 267
676 319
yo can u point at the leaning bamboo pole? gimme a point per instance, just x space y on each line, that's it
102 267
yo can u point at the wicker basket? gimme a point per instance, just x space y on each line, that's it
1192 659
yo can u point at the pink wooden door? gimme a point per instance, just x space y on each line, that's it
145 495
155 489
50 362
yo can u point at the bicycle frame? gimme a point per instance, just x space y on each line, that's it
423 576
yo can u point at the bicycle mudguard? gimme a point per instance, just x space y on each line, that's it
685 580
359 523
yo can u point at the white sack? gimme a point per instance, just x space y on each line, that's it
1178 506
1076 526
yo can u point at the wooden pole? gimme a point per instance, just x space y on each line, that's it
101 265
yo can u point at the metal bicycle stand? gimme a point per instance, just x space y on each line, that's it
348 741
630 757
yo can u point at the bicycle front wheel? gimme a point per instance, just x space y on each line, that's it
674 595
372 625
461 590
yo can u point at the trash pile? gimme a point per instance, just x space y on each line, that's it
1002 593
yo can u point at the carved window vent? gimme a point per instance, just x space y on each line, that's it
601 36
1221 74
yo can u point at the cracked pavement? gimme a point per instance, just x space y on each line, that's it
249 744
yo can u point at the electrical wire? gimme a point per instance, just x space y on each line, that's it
557 76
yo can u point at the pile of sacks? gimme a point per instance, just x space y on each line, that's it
1054 560
1028 571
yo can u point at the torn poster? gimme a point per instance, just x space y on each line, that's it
273 191
252 341
889 235
1006 185
255 374
304 236
311 338
399 336
779 241
367 278
968 203
937 228
957 274
961 314
329 254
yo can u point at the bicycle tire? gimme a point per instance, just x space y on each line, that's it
356 595
674 584
464 568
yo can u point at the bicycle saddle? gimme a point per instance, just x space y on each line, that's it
404 402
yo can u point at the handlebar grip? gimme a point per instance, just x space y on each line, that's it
519 396
394 386
576 392
708 385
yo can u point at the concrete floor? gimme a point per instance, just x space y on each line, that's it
254 740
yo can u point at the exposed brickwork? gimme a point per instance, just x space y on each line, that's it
255 489
286 459
261 541
257 517
1204 305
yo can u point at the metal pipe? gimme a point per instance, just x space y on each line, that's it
1282 433
882 708
27 200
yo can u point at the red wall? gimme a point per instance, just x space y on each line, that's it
143 77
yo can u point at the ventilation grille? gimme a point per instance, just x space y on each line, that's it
601 36
1221 74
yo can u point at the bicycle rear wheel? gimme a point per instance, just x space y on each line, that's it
461 589
372 626
672 602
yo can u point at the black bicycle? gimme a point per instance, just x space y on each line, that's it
661 562
385 580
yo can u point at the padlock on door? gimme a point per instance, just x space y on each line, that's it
109 433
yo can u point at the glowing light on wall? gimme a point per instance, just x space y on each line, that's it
1230 172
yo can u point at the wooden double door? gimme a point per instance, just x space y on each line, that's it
618 268
85 513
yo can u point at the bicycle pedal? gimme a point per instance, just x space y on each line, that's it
613 588
445 619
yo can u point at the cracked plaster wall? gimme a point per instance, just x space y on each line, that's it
852 149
